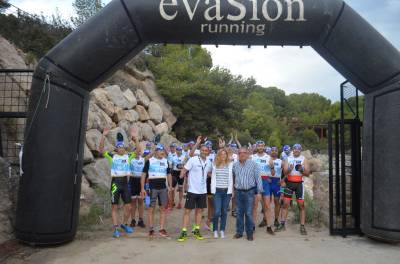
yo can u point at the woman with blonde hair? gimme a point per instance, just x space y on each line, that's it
221 188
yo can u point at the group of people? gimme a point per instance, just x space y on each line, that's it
243 176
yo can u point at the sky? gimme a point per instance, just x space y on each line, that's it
291 69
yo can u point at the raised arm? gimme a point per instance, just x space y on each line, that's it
198 141
237 141
102 140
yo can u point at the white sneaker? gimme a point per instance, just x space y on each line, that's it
215 234
222 234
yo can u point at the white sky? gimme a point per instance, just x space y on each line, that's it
291 69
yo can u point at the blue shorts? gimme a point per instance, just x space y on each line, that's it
271 188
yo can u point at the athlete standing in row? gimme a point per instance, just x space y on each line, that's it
120 171
157 171
276 166
199 167
177 164
263 161
286 152
137 165
295 167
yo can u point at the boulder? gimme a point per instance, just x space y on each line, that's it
115 94
93 137
143 115
6 206
167 139
162 129
146 131
87 155
98 119
155 112
112 136
128 115
142 98
98 173
100 98
137 68
149 87
130 97
153 126
11 58
88 195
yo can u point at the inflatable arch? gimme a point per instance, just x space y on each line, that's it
49 190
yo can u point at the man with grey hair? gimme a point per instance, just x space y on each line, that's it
247 182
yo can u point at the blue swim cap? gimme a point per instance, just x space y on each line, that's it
160 147
208 143
274 148
173 145
297 146
286 148
146 152
120 144
179 148
260 142
268 149
233 145
191 142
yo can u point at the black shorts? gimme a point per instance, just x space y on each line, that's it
176 180
135 187
120 189
194 200
209 186
296 188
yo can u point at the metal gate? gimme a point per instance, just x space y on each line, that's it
345 165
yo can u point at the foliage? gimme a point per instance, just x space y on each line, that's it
4 4
34 34
84 10
309 206
211 101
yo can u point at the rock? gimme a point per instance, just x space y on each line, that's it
155 112
167 139
98 173
137 68
98 119
100 98
115 94
142 98
146 131
6 206
128 115
150 89
87 197
11 57
162 129
153 126
130 97
143 115
112 136
87 155
93 137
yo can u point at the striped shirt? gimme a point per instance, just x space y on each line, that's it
247 176
222 177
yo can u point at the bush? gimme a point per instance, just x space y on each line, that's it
310 205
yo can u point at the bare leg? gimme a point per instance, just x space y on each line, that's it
285 209
302 213
150 214
266 207
277 208
127 213
162 217
198 213
210 210
180 192
186 218
255 209
114 214
133 208
140 207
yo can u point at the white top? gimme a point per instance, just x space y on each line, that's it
263 163
197 178
214 180
234 157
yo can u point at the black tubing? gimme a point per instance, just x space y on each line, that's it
48 203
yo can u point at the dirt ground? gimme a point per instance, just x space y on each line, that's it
97 246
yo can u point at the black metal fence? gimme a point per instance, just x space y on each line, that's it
14 96
345 165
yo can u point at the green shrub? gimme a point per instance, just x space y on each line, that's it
309 204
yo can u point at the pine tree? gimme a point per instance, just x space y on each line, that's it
4 4
84 10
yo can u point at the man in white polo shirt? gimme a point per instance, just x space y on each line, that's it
198 167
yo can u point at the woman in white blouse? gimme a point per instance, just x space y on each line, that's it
221 188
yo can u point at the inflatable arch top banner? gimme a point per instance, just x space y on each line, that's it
49 192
